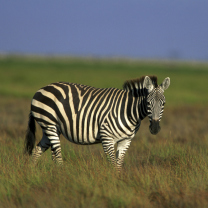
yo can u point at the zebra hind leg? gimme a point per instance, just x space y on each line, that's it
108 147
56 154
122 147
42 146
49 139
54 141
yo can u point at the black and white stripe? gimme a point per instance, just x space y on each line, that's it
88 115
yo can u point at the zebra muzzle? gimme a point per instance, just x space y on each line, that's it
154 126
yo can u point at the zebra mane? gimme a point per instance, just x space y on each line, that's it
136 84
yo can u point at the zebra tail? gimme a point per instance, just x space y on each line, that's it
30 135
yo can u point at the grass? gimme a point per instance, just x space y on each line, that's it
21 77
166 170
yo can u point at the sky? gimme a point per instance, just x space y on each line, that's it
141 29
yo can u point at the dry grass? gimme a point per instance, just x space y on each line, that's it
167 170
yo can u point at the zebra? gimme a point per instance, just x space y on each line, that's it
87 115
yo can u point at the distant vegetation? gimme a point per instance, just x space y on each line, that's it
21 77
166 170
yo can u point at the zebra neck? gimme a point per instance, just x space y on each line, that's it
142 107
136 109
140 96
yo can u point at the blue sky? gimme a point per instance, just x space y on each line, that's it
155 29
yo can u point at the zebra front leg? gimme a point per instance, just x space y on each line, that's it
108 147
122 147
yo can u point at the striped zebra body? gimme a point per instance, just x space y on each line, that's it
87 115
80 112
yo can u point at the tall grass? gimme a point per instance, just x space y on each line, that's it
165 174
166 170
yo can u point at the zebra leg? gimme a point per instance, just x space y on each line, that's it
53 140
53 156
108 147
55 148
50 139
122 147
56 152
42 146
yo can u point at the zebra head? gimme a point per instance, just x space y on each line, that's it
155 102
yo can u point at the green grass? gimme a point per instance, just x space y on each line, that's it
166 170
22 77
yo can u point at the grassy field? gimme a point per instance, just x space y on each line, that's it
166 170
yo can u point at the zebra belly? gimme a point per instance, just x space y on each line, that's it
82 139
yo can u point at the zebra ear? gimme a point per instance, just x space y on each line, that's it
166 83
148 84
